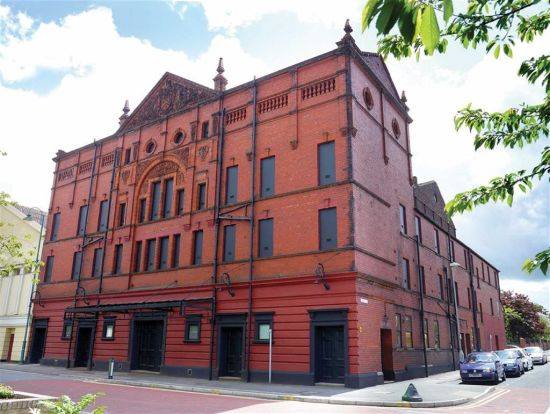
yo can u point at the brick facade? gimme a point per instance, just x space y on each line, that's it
344 96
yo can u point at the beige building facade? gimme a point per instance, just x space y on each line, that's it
16 288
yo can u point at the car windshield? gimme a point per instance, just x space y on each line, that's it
486 357
507 354
533 349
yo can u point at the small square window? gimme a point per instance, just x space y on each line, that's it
263 331
67 329
109 329
193 328
264 325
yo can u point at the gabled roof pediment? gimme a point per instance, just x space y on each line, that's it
377 65
171 93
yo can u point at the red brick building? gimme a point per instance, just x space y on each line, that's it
287 202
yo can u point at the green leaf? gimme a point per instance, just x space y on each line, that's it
497 51
508 50
368 13
385 16
447 10
429 29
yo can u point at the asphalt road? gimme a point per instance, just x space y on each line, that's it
528 394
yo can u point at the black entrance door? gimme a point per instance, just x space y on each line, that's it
83 346
148 345
329 364
231 351
37 346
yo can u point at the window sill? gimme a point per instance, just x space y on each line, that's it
107 339
191 341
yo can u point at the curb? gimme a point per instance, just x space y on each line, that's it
278 396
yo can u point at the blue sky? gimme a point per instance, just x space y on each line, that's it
67 67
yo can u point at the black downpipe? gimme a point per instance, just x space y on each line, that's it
221 121
474 299
251 258
452 333
82 255
421 290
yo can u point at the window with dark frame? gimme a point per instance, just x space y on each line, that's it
197 247
408 332
231 184
201 196
176 251
204 129
168 196
402 219
423 280
263 324
481 311
55 226
108 333
267 176
229 243
492 306
150 255
456 294
477 277
82 216
441 287
67 329
265 238
469 298
437 247
483 271
328 237
137 257
103 211
142 210
418 228
405 273
97 262
117 261
180 203
77 262
426 334
452 249
155 201
121 214
163 253
436 338
398 331
326 163
127 155
466 265
193 328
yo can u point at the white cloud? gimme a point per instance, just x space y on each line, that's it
538 291
101 69
230 15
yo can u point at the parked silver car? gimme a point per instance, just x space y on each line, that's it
537 354
527 360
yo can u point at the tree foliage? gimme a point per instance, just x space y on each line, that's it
64 405
522 318
424 27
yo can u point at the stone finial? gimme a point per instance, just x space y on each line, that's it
219 80
348 38
125 112
403 97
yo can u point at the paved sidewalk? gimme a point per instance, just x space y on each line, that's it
437 391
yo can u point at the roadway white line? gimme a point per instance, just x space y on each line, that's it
489 399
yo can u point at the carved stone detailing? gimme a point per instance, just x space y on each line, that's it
293 144
318 88
180 178
65 174
183 155
108 159
141 167
235 115
85 167
351 130
163 168
171 94
124 176
275 102
203 152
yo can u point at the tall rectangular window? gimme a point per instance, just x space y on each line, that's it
418 228
408 332
426 334
436 334
204 131
137 257
477 277
231 184
82 217
98 262
452 249
267 173
121 214
423 280
176 251
483 271
466 259
127 155
469 298
402 219
327 229
163 254
168 196
142 209
48 270
229 243
197 247
481 311
77 262
103 212
326 163
405 273
155 201
441 287
398 331
117 261
180 203
492 306
436 241
456 293
55 226
150 255
265 238
201 196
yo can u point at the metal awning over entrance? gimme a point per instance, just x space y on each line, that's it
136 306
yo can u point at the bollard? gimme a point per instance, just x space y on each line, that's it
111 369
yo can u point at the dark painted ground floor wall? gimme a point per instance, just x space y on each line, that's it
319 335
